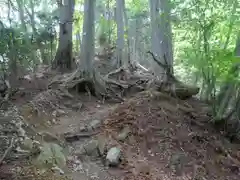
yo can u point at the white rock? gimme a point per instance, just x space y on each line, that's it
95 124
113 156
54 113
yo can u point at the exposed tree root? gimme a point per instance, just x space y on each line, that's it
123 81
91 82
77 137
117 71
7 151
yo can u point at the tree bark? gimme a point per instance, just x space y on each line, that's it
229 87
120 33
63 59
88 45
161 35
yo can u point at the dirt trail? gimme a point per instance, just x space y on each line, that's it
169 139
84 167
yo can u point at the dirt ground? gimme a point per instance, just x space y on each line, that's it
169 139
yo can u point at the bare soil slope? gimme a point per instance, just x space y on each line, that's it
171 139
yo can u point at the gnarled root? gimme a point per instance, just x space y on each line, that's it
91 82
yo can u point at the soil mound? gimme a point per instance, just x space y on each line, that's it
29 85
171 139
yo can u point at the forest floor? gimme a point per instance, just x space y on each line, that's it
167 138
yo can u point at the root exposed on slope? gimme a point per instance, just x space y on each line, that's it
92 83
120 82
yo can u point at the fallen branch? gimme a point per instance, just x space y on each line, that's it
77 137
121 85
138 65
7 151
114 72
165 66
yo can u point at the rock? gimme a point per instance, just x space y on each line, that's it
80 151
58 112
176 163
123 134
39 75
54 121
113 156
94 124
83 128
102 144
91 148
27 144
77 106
54 113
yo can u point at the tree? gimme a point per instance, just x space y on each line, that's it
228 96
88 45
34 30
120 33
63 58
85 77
161 34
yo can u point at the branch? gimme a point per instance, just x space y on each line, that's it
165 66
7 151
114 72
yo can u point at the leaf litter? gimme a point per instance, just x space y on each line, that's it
167 138
171 139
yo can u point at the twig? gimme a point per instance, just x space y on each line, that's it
165 66
76 137
7 151
114 72
110 81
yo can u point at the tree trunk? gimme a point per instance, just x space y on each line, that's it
21 14
166 31
79 43
120 34
128 36
226 93
33 25
237 48
161 35
63 59
88 45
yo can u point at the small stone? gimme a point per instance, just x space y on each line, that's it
102 144
83 129
54 121
18 169
39 75
123 134
67 103
113 156
77 106
91 147
95 124
27 144
54 113
80 151
60 112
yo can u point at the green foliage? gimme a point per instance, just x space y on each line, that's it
105 29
